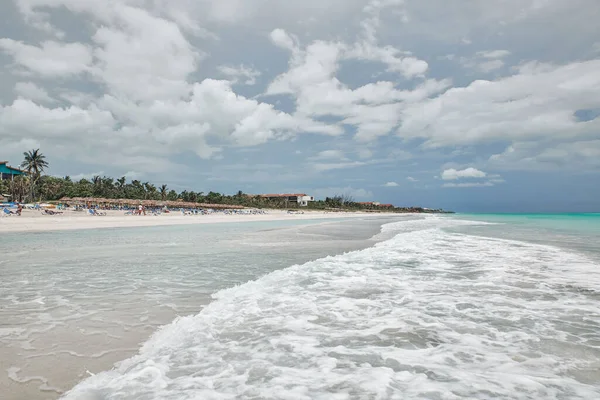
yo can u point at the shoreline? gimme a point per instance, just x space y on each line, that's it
34 221
106 322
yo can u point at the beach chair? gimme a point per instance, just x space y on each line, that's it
6 212
50 212
95 212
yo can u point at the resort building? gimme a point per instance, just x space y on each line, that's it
8 172
299 198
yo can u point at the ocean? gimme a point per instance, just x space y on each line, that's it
419 307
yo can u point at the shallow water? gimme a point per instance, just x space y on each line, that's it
443 308
82 300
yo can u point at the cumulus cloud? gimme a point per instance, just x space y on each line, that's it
30 90
391 184
474 177
281 38
535 103
240 74
486 61
143 84
339 165
51 59
579 155
329 155
493 54
453 174
467 184
150 108
374 109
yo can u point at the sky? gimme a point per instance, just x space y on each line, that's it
471 106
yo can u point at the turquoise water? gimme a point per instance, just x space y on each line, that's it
576 231
583 223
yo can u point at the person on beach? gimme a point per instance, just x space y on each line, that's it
19 209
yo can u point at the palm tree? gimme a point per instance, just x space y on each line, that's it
34 163
108 187
97 182
120 186
150 190
163 192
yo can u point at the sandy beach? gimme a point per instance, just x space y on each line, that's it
35 221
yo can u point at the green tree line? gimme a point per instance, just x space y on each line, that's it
35 186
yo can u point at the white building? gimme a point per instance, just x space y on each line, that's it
299 198
303 200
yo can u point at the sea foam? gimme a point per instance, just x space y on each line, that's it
427 314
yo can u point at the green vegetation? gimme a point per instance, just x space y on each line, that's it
38 187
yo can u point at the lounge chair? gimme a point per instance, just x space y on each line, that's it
95 212
50 212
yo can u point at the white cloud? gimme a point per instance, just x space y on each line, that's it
536 103
453 174
126 102
240 74
132 134
575 156
321 167
374 109
491 65
31 91
395 60
470 173
391 184
493 54
486 61
410 178
281 38
467 184
330 155
51 59
128 61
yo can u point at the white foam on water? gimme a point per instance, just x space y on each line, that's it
427 314
13 374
